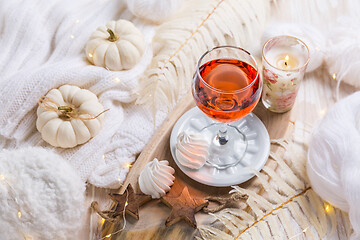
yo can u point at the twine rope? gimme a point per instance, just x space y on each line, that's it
67 112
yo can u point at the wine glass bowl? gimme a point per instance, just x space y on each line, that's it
226 87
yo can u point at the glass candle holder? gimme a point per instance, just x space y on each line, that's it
284 59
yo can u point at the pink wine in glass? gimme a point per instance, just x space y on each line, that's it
228 90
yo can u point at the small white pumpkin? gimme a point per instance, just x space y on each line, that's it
116 46
69 116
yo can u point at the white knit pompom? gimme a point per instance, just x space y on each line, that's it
343 55
333 165
312 37
47 192
154 10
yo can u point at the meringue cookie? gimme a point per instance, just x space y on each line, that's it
156 178
191 150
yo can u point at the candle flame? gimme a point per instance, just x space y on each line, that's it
287 58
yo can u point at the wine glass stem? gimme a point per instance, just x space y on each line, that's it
222 135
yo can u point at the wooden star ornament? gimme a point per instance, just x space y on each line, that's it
131 205
183 207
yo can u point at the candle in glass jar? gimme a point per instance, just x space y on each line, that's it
284 62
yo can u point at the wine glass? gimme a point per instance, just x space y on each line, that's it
226 87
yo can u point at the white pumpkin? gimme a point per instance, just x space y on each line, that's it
117 46
68 116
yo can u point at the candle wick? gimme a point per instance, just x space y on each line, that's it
285 63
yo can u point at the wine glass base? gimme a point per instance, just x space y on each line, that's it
229 153
247 156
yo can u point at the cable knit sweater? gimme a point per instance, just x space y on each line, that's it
42 47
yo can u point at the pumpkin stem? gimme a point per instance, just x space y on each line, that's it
112 37
65 108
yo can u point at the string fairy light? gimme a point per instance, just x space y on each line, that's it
301 233
337 86
128 165
102 221
328 207
12 193
104 218
116 80
323 112
72 36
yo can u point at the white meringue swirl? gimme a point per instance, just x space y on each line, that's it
156 178
191 150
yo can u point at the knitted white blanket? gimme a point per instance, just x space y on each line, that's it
42 47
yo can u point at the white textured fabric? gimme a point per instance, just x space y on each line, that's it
156 11
49 193
333 164
42 47
338 21
343 54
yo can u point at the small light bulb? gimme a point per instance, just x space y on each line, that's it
72 36
126 203
116 80
305 229
109 235
19 214
2 177
334 76
90 55
119 178
322 112
103 156
102 221
77 20
327 207
128 165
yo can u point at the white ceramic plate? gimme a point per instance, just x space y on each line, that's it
254 159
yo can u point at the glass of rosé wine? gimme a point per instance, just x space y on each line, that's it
226 87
